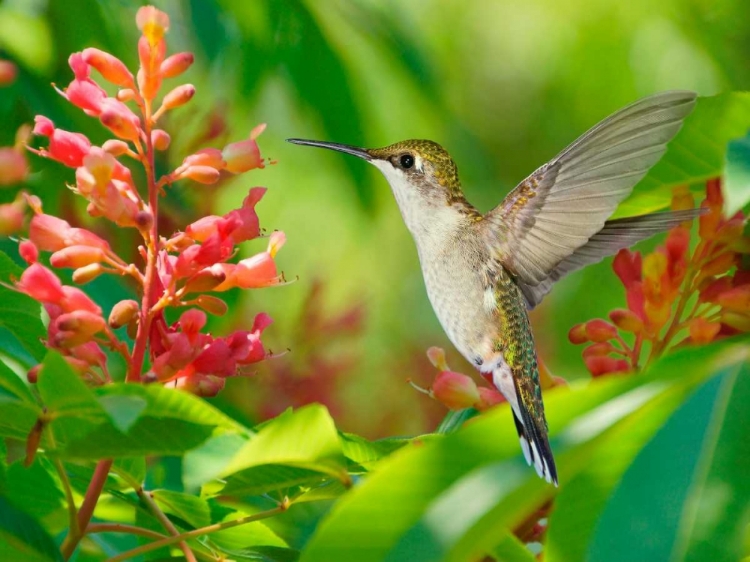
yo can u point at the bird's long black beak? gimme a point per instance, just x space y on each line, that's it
345 148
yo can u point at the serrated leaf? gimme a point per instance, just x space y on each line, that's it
270 478
191 509
22 539
306 438
366 453
206 462
245 536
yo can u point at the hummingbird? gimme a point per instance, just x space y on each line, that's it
484 271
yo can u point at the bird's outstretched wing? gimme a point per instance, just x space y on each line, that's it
566 202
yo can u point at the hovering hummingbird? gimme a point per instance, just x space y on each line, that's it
483 272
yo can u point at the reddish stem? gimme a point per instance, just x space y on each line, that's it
144 325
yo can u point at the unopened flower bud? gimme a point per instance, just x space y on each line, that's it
8 73
205 280
87 273
176 64
436 355
144 220
110 67
126 94
11 217
599 330
206 157
28 252
577 334
40 284
78 326
32 375
242 156
160 139
598 349
212 305
202 174
123 313
121 126
601 365
115 147
455 390
626 320
76 256
702 331
178 97
13 167
206 386
488 397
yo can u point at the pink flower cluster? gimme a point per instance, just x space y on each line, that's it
177 271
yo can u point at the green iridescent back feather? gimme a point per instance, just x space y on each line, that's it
517 347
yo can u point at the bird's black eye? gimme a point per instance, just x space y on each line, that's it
406 161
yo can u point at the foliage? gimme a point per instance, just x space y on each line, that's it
109 447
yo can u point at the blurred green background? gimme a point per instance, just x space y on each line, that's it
503 86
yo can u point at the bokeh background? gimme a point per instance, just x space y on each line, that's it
503 86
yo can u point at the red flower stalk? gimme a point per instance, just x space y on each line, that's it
661 287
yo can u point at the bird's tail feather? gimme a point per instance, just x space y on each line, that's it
535 445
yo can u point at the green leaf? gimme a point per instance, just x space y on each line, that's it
36 487
18 409
206 462
191 509
451 498
305 438
510 549
245 536
22 539
453 420
696 154
131 469
737 177
20 314
123 410
686 496
268 478
366 453
103 423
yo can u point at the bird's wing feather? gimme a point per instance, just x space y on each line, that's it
558 208
616 234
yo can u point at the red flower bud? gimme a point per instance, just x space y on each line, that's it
40 284
178 97
13 167
160 139
577 334
8 73
598 330
488 397
205 280
627 266
11 216
206 386
702 331
110 67
719 265
121 121
176 64
242 156
28 252
598 349
599 365
436 355
713 288
77 327
455 390
626 320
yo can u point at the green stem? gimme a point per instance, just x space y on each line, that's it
283 506
72 512
148 499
